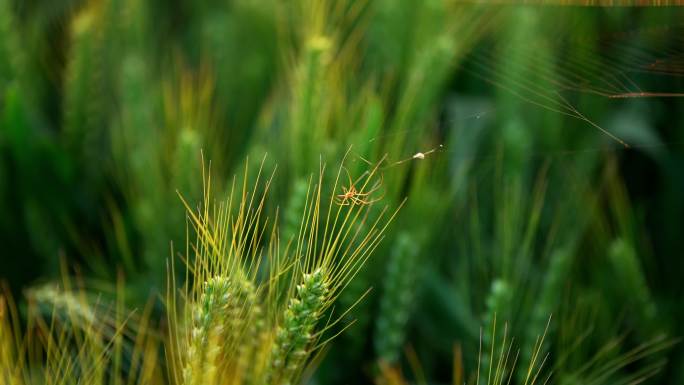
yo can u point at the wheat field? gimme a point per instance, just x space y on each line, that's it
256 192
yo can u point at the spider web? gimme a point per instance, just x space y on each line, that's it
560 64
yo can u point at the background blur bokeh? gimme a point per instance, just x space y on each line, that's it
530 204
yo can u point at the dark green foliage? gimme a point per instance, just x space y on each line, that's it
488 118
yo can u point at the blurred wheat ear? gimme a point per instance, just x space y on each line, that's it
69 332
397 298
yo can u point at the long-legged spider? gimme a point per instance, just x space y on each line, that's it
351 196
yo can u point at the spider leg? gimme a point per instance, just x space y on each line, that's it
373 189
366 201
342 200
359 202
369 202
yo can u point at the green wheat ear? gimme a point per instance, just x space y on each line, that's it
14 65
88 84
309 108
294 336
185 160
547 303
208 332
397 299
292 217
498 305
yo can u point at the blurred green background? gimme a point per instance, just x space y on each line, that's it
528 208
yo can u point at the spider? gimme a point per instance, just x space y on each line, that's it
352 196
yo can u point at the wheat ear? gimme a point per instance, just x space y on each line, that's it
207 332
294 336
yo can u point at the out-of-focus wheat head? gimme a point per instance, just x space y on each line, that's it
72 338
